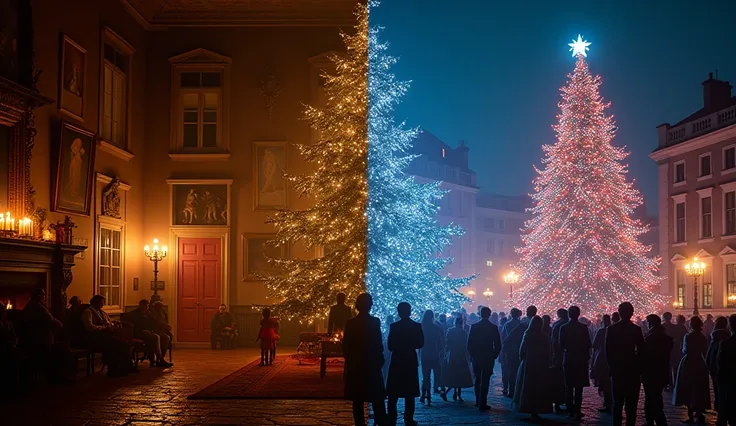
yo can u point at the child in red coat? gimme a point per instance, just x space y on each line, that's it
267 335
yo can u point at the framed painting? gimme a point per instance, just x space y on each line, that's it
269 180
74 170
9 34
72 74
200 204
257 249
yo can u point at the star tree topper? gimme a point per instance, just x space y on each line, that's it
579 46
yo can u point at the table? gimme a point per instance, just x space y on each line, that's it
330 349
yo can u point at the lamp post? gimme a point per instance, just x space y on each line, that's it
488 293
155 255
511 278
695 269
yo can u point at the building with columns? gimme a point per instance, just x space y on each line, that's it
492 222
696 159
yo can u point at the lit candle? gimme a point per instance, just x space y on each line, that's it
47 235
2 221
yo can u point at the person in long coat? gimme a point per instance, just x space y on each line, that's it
677 332
557 379
624 343
599 367
532 391
502 360
719 333
575 345
726 376
546 327
430 355
404 338
363 351
484 346
514 331
655 370
692 388
456 374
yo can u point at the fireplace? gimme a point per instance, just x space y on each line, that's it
26 265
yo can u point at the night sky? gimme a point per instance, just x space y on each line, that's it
489 72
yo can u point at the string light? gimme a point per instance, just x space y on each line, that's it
378 225
404 237
338 186
582 245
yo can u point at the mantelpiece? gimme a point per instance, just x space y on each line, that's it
28 264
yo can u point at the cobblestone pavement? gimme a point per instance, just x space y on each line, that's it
159 397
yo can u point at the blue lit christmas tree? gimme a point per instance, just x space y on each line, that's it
404 238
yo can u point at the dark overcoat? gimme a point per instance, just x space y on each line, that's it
363 350
599 366
575 346
456 372
655 358
692 387
484 344
404 338
532 393
726 374
434 344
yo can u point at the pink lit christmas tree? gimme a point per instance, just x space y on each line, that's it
582 246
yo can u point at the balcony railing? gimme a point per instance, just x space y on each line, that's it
701 126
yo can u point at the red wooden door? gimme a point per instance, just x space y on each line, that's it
199 287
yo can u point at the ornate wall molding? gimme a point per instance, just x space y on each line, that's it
270 87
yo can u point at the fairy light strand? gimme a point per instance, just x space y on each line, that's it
581 245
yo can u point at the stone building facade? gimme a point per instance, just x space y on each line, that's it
696 159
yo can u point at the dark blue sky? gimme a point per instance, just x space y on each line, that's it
489 72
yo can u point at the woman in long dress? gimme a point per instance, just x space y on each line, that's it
532 381
456 375
692 388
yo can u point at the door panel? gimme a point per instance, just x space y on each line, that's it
200 285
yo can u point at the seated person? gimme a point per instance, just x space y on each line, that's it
38 338
9 354
105 337
144 328
223 327
159 315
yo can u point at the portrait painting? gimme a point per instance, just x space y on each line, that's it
257 249
269 180
76 159
9 26
72 77
199 204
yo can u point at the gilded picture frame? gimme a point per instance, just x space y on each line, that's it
74 177
72 78
256 249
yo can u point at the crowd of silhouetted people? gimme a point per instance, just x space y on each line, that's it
545 364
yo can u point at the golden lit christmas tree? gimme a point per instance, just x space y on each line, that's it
338 186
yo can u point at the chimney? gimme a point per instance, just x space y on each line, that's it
462 152
716 93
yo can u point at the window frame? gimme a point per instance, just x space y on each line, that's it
706 193
727 188
682 182
725 170
202 61
702 176
201 94
491 246
110 37
730 287
681 296
115 225
680 239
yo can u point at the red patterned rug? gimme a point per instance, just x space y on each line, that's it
285 379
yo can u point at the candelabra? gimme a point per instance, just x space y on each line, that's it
155 255
695 269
